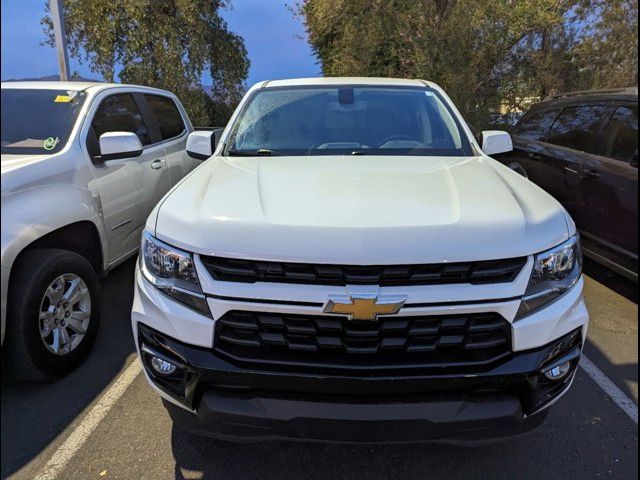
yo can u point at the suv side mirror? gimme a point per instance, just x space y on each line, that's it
114 145
634 159
201 144
496 141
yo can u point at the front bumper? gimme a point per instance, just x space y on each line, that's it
210 396
260 419
213 396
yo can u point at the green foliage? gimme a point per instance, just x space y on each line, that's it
166 44
489 55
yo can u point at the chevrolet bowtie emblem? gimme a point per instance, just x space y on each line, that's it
363 307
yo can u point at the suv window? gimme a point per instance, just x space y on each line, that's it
167 115
535 125
621 140
577 126
120 113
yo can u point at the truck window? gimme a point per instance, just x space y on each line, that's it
38 121
167 115
338 120
120 113
535 125
621 139
576 127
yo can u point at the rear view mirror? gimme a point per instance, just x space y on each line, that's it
114 145
201 144
496 141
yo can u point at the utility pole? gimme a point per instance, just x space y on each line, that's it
61 39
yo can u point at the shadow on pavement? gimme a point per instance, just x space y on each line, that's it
581 438
585 436
621 374
34 414
610 279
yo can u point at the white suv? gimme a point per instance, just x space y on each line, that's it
351 265
83 164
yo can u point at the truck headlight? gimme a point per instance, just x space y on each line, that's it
554 272
172 271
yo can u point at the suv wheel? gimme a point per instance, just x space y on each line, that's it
52 313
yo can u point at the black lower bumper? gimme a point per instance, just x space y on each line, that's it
259 419
237 403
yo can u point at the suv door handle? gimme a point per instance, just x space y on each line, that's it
535 156
157 164
593 173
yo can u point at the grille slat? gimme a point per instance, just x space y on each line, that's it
251 271
335 341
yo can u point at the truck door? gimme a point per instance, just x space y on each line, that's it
173 131
130 187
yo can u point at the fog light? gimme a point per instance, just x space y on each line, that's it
162 366
558 372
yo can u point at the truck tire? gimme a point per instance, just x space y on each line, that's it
53 313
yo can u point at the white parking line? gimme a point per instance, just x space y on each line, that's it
627 405
88 424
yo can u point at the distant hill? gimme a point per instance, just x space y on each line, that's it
50 78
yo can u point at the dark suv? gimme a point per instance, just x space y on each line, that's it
582 148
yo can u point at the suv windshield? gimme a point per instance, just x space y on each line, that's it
347 120
38 121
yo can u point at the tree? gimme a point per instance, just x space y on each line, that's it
167 44
489 55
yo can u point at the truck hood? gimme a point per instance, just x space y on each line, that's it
12 162
24 171
360 210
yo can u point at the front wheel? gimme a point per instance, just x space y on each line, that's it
52 313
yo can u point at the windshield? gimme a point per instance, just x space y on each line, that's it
38 121
347 120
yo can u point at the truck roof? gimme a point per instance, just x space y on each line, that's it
70 85
290 82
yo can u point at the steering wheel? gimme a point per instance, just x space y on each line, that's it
397 137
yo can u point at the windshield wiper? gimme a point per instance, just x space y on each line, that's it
253 153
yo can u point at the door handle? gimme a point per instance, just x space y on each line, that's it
535 156
593 173
157 164
570 170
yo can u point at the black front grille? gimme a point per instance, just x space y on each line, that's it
249 271
276 340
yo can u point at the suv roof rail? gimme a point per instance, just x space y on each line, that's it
604 91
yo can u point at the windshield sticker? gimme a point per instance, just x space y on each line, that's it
63 99
50 143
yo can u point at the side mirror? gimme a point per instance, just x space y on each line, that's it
634 159
114 145
201 144
496 141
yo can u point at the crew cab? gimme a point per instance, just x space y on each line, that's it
83 164
351 265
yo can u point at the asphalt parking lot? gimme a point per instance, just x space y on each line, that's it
70 429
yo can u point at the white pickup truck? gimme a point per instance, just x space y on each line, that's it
83 164
351 265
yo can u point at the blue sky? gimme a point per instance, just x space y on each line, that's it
274 39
